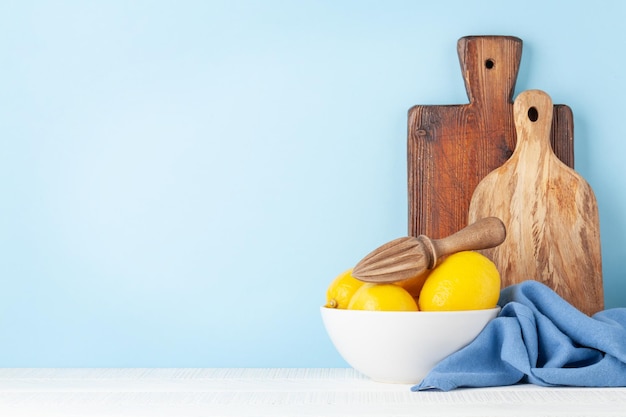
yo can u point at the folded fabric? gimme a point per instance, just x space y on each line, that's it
538 338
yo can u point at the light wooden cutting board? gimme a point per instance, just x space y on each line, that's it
549 210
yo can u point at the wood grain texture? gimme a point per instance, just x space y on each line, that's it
452 147
550 211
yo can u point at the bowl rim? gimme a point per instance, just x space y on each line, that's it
423 313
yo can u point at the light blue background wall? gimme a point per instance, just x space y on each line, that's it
180 180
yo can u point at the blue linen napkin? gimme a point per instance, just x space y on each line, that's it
538 338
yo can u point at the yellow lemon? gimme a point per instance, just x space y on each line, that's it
342 289
463 281
414 284
382 297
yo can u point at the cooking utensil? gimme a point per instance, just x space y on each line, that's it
549 210
407 257
452 147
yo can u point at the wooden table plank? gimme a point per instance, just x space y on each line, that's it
275 392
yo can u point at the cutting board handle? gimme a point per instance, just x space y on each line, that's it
490 65
533 119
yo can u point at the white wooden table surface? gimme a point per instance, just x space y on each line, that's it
276 393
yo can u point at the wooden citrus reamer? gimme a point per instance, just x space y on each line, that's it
407 257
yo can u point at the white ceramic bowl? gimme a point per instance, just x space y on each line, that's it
401 347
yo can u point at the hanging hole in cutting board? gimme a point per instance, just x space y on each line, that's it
533 114
489 64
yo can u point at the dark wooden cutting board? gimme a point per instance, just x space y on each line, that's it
452 147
